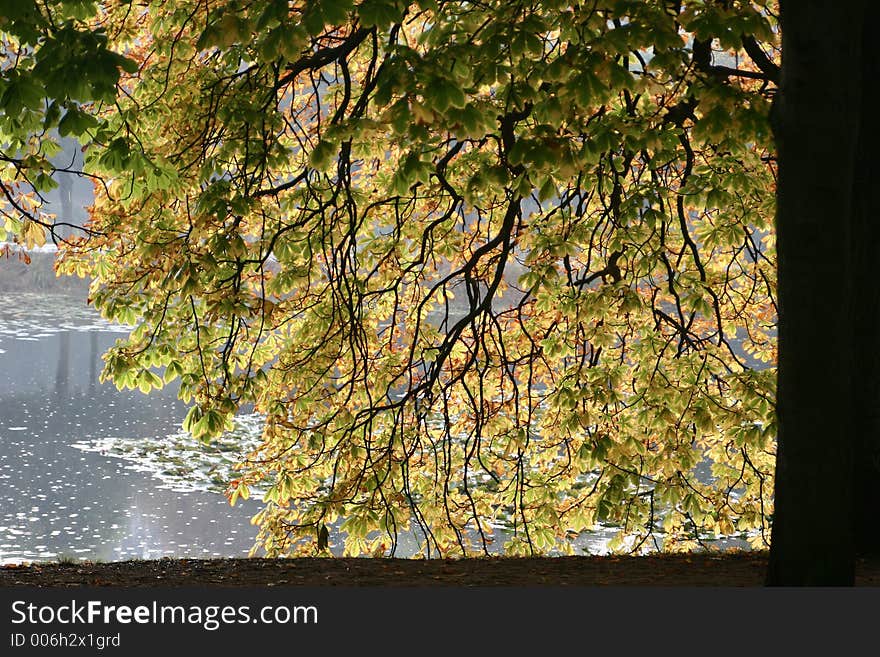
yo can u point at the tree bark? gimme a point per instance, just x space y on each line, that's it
816 123
866 324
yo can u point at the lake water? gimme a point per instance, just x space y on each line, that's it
67 490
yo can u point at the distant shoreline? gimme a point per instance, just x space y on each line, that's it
17 275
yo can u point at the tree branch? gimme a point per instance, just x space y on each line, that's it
762 61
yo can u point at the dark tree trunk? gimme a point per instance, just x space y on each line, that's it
866 324
816 122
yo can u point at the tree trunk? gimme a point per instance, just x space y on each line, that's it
816 123
866 324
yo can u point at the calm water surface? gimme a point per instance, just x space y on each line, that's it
64 490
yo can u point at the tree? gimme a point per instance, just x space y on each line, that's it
828 248
478 264
54 66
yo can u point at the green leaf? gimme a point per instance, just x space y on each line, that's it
43 182
548 190
75 122
378 13
313 20
336 11
192 418
323 155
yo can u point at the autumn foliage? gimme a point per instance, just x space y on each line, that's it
480 266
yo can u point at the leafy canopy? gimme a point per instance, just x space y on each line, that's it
55 68
479 265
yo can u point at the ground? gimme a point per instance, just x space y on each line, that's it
704 569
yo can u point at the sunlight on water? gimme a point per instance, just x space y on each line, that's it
178 461
61 498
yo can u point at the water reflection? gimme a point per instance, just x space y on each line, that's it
62 374
56 500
